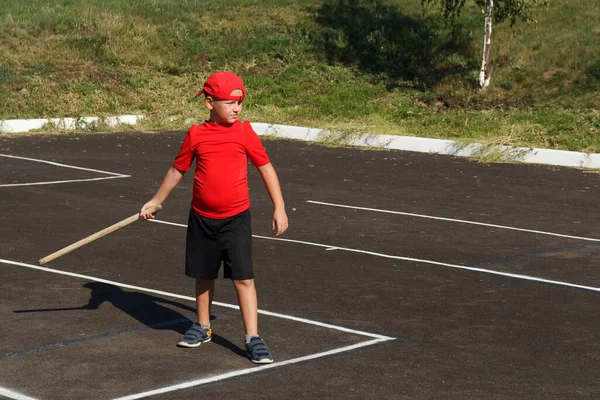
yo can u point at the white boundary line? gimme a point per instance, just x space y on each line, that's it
14 395
247 371
179 296
68 181
375 337
462 221
60 165
113 175
418 260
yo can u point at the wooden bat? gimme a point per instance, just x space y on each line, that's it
97 235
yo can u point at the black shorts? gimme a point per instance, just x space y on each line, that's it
212 241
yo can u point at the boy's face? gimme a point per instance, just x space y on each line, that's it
224 111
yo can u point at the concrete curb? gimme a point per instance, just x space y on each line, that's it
435 146
26 125
407 143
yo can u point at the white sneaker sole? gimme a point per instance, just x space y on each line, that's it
263 361
191 345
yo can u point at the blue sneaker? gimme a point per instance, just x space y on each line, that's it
258 352
195 336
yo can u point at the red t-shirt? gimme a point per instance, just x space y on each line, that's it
221 177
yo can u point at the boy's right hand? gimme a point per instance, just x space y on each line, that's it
145 214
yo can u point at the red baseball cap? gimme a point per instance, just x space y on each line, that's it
222 84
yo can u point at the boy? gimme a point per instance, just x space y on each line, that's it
219 226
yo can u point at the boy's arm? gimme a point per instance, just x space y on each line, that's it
269 177
172 178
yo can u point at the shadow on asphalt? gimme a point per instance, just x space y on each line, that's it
145 308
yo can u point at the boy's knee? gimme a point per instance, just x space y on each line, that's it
244 283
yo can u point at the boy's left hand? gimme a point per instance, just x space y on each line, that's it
280 222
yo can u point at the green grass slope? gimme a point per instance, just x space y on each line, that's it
377 66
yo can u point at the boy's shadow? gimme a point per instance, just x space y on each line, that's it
145 308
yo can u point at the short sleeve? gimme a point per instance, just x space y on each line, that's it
254 148
184 159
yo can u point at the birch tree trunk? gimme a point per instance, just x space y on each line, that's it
485 71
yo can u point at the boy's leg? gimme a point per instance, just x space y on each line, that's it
200 332
205 290
236 241
202 262
258 352
237 244
246 294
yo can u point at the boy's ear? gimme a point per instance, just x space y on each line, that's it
209 101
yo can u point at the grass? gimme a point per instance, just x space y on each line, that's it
377 66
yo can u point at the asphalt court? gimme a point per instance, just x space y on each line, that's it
464 325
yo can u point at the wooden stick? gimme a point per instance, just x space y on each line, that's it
97 235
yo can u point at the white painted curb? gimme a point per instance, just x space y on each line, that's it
407 143
435 146
26 125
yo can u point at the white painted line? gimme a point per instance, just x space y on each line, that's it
247 371
462 221
179 296
168 223
67 181
418 260
14 395
60 165
113 175
322 324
